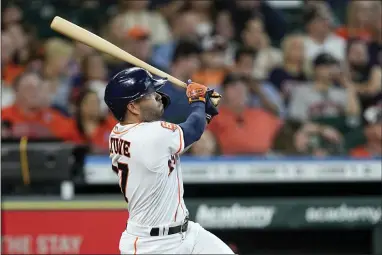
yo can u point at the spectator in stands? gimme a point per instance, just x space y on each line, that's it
24 40
375 46
244 10
322 98
266 97
184 27
204 10
186 61
29 115
92 125
213 67
240 129
9 69
19 41
244 61
136 13
80 51
318 140
358 20
57 56
12 14
325 6
225 29
373 133
263 93
320 37
114 31
366 77
94 76
205 147
296 138
291 73
267 57
138 42
168 8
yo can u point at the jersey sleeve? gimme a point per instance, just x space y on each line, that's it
165 137
161 140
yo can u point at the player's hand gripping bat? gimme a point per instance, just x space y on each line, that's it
82 35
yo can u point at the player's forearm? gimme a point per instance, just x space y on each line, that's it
195 124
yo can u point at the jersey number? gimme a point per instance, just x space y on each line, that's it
168 125
171 164
123 172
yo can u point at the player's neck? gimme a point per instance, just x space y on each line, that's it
130 121
125 123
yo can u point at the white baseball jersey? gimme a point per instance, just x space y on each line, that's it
146 157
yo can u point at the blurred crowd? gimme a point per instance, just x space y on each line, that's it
311 89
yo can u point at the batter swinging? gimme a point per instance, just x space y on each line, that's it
145 155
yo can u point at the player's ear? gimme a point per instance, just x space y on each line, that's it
133 107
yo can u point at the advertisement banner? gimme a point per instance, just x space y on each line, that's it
62 232
288 213
254 170
64 229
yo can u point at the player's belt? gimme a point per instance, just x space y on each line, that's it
171 230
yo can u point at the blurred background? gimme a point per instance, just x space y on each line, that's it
291 165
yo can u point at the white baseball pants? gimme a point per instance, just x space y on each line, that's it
196 240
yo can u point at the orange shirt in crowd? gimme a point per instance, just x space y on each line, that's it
357 33
210 78
360 152
10 72
253 134
100 137
46 123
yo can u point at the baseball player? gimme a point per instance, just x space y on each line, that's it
145 155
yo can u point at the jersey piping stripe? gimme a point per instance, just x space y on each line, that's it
135 245
176 212
180 139
181 205
119 133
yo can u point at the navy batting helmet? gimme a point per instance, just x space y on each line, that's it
130 85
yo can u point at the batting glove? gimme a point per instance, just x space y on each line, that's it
196 92
212 102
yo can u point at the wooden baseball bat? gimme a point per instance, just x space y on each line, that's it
80 34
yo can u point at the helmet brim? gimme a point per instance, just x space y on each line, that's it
159 83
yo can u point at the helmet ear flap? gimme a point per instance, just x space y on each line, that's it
166 101
118 108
